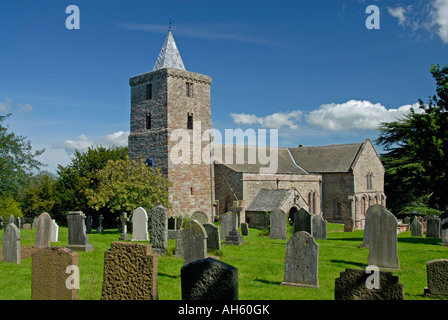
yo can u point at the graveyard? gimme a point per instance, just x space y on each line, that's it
260 261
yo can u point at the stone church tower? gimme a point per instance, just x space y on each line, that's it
170 105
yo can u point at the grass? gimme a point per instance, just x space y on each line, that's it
260 263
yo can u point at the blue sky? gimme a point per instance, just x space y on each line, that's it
309 68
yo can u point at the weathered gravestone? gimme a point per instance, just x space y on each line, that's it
213 239
365 241
209 279
244 229
349 224
18 222
432 227
77 237
234 237
43 231
226 224
444 228
140 225
179 250
277 220
124 227
437 276
11 244
319 227
383 239
54 274
26 226
416 228
11 219
301 261
89 224
407 220
100 228
54 231
130 272
194 240
159 229
199 216
352 285
302 221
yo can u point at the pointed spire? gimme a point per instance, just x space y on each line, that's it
169 56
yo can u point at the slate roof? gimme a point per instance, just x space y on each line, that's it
269 199
169 56
285 163
326 159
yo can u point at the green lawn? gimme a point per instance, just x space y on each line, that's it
260 263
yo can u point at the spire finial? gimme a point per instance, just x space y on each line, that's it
169 29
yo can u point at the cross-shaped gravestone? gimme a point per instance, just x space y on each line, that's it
124 227
100 224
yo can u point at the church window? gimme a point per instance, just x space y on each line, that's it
149 91
189 89
337 208
369 181
190 121
148 121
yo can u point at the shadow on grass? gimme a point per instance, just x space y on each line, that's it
348 239
106 232
421 240
168 275
268 282
357 264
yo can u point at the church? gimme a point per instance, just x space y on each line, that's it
171 115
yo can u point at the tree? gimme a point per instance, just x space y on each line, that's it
127 184
8 206
17 160
39 195
416 157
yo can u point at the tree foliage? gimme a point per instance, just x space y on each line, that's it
8 206
39 195
127 184
416 152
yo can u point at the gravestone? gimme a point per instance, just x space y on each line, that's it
140 225
209 279
49 277
100 228
54 231
179 250
77 237
43 231
365 240
351 285
383 239
301 261
130 272
11 244
407 220
34 224
11 219
437 276
302 221
26 226
444 228
432 227
277 220
159 229
319 227
124 227
89 224
245 229
199 216
234 237
18 222
213 239
226 222
349 224
194 240
416 228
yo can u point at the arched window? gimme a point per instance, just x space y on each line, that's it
337 208
363 205
369 181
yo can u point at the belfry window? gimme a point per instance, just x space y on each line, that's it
149 91
190 121
148 121
189 89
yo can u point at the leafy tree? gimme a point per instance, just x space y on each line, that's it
17 160
39 195
8 206
127 184
416 157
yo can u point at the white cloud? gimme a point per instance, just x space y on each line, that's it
440 18
5 106
355 114
24 108
82 143
273 121
398 13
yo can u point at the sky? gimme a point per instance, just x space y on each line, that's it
321 72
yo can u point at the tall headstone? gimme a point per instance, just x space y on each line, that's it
213 239
209 279
319 227
416 228
351 285
365 241
49 277
383 239
301 261
130 272
18 222
277 220
89 224
433 227
226 224
11 219
100 228
244 229
43 231
444 228
124 226
437 276
179 249
234 237
54 231
159 229
77 237
302 221
194 239
199 216
140 225
11 244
